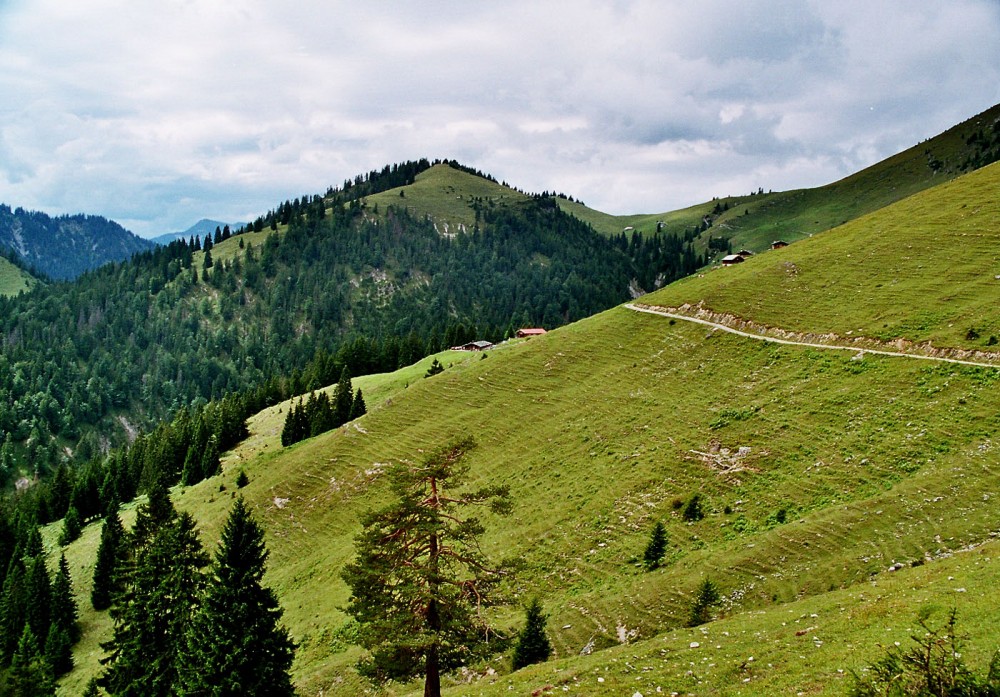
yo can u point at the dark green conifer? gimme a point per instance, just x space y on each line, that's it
64 612
58 651
38 598
13 614
235 644
30 673
532 644
656 548
707 598
343 399
71 527
151 615
358 407
110 554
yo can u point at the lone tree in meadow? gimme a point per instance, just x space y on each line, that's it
656 548
419 579
707 598
532 644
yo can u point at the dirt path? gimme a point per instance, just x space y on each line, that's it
791 342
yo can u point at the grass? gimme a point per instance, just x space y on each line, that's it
446 195
14 280
595 428
881 276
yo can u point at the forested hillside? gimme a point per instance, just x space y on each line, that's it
66 246
324 283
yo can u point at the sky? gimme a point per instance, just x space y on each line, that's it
157 114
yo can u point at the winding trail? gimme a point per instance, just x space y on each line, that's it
788 342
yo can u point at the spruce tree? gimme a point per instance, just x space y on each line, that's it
38 598
343 399
656 548
64 611
358 407
30 673
71 527
707 598
235 644
110 554
13 614
59 651
532 644
152 613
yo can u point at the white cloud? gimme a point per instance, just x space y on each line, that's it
157 115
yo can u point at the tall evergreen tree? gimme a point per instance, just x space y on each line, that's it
71 526
110 554
343 399
532 644
235 644
419 574
152 614
38 598
30 673
64 611
13 613
358 407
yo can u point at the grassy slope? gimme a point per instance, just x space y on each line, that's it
608 413
445 194
14 280
755 221
925 268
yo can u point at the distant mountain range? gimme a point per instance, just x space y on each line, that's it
200 229
66 246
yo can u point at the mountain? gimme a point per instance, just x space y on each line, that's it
200 229
66 246
754 220
845 493
321 284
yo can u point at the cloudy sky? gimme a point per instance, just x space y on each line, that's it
156 114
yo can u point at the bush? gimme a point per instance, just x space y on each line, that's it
931 668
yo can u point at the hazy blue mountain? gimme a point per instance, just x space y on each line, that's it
66 246
200 229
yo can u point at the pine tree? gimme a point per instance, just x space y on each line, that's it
343 399
152 613
707 598
235 644
532 644
38 598
59 651
71 527
64 611
110 554
13 612
419 575
434 369
30 673
656 548
358 407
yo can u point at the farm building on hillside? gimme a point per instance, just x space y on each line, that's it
473 346
528 331
731 259
778 244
